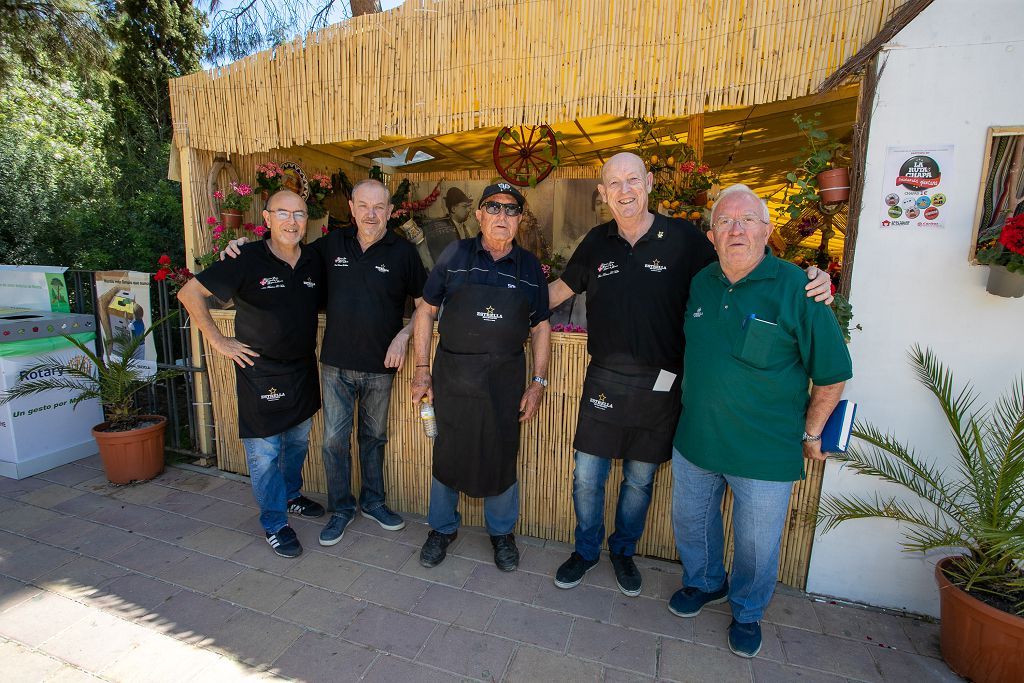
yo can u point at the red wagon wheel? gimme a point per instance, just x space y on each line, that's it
525 155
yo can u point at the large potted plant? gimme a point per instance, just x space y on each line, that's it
131 445
818 176
316 224
974 507
1004 255
233 204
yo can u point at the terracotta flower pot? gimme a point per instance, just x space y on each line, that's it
134 455
231 219
834 185
979 642
1002 282
701 198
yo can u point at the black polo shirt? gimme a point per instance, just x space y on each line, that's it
276 304
636 295
366 294
467 261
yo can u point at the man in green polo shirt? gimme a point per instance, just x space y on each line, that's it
754 342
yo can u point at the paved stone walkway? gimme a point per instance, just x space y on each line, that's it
172 580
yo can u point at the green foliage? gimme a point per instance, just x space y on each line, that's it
114 382
843 311
817 154
977 505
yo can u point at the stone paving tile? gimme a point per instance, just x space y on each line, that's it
379 552
531 625
615 646
325 571
80 579
24 518
234 492
50 495
389 631
862 625
159 659
33 560
200 572
223 513
87 505
414 533
69 674
9 543
8 503
38 618
766 671
12 488
385 588
181 502
64 531
127 516
14 592
191 617
22 665
477 655
172 528
904 666
793 611
518 586
254 638
227 669
454 571
103 542
133 596
259 554
583 601
190 481
712 628
390 669
316 657
693 663
619 676
68 475
924 636
94 642
93 461
217 541
319 609
539 560
828 653
150 556
143 493
452 606
646 614
531 664
258 590
473 546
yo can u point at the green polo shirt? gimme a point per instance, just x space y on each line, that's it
745 380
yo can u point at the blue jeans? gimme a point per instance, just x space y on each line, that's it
275 470
341 389
500 512
758 517
588 480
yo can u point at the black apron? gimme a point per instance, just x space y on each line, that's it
621 416
276 395
479 375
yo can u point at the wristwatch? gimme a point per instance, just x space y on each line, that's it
810 437
540 380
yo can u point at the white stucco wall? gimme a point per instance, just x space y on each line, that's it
955 70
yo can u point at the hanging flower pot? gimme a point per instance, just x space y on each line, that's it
834 185
1002 282
231 219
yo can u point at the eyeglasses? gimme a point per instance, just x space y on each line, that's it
284 214
747 222
494 208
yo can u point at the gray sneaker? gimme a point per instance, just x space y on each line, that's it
383 515
335 529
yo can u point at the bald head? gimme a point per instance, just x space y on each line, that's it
281 197
623 161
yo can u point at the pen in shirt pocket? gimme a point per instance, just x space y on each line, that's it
753 316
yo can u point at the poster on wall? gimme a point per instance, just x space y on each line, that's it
40 288
122 302
915 183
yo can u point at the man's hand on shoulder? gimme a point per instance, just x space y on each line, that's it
820 285
232 249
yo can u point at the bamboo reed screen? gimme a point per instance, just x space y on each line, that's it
444 66
545 461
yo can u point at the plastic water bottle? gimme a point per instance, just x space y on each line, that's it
429 421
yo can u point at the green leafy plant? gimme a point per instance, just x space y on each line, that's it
680 178
237 198
843 310
115 382
319 187
817 154
1008 248
975 506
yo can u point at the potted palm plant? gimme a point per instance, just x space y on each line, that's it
131 445
975 507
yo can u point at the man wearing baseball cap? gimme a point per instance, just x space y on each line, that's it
488 294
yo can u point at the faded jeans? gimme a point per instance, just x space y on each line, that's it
500 512
275 471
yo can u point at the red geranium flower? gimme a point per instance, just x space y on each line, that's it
165 260
161 274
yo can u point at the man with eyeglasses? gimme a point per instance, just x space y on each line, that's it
490 295
277 285
754 343
636 271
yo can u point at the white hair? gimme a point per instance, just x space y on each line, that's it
741 189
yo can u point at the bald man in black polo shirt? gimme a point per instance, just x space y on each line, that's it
636 271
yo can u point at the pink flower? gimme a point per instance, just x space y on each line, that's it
259 230
703 168
688 167
323 229
210 220
248 227
242 189
218 194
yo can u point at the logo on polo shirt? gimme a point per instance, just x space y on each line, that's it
607 268
489 315
601 402
341 261
271 283
273 395
699 313
655 266
309 283
382 269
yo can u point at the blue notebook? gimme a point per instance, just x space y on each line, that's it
835 438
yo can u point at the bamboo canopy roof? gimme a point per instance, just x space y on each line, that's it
428 70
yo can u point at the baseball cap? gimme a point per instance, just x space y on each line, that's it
502 188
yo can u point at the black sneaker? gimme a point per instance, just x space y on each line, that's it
305 507
572 570
506 554
745 639
435 548
284 542
627 575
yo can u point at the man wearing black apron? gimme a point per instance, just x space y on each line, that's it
636 271
277 286
491 294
